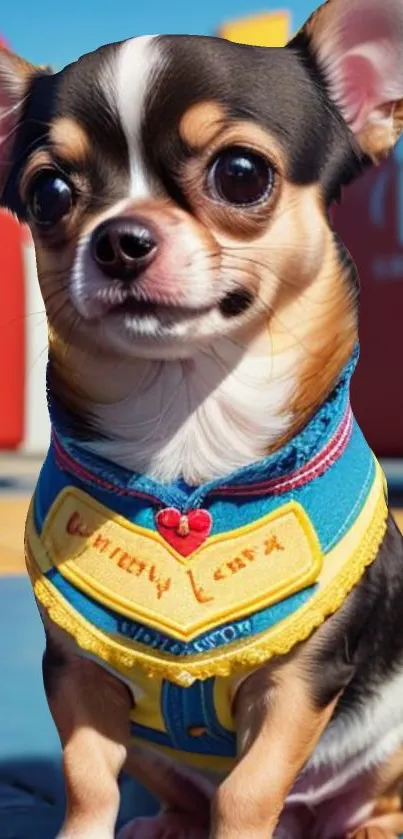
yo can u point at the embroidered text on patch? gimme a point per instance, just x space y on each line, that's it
136 572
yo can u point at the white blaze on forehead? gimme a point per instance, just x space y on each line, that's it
137 61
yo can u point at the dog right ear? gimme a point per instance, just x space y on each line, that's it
15 78
357 46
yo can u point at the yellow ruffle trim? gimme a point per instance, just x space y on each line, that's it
243 655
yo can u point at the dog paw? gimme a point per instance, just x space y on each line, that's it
164 826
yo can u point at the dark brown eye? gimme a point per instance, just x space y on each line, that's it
240 177
50 199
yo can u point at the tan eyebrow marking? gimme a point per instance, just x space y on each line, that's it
70 140
201 123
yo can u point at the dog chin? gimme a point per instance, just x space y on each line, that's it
162 331
154 336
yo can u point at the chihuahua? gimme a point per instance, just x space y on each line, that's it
218 575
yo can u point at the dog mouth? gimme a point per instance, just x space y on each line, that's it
135 308
231 305
138 309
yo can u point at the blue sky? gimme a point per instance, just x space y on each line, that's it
56 32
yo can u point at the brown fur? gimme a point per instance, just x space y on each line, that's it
70 141
90 710
201 123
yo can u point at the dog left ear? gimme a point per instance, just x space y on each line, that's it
357 46
15 77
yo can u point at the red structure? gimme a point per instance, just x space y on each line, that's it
12 331
12 334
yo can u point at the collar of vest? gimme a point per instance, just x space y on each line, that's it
301 460
187 583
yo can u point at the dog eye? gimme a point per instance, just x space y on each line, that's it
240 177
50 199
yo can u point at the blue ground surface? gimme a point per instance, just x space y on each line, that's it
31 786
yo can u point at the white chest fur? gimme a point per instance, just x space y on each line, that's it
201 417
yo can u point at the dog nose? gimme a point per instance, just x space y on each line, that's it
123 247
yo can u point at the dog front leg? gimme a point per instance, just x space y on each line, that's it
91 711
279 725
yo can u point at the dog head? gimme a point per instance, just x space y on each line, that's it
178 188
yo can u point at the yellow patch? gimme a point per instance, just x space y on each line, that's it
342 569
270 29
134 571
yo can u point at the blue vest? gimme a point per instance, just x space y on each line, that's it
181 591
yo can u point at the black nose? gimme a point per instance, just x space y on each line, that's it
123 247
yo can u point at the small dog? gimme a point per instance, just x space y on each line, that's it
218 575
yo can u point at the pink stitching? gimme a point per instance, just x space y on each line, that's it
317 466
65 458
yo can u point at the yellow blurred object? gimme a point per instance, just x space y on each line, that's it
270 29
13 510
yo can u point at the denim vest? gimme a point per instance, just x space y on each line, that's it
181 591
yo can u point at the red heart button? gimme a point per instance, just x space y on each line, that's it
184 532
